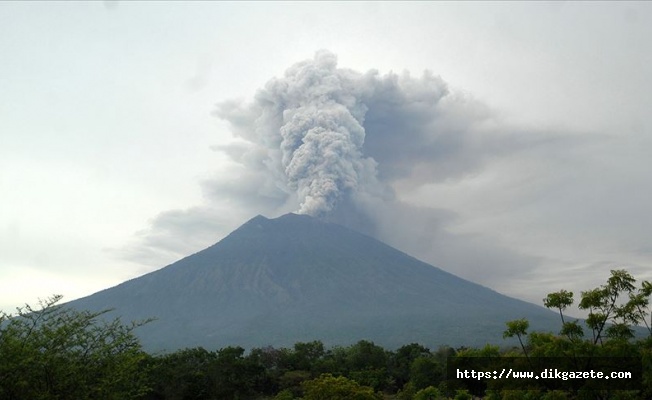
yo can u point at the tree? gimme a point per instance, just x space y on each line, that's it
53 352
562 300
614 311
366 355
284 395
183 375
517 328
603 307
426 371
306 355
401 360
328 387
429 393
236 376
367 364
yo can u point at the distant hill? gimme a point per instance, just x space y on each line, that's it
297 278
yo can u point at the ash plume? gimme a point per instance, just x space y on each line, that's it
310 123
357 148
379 153
307 131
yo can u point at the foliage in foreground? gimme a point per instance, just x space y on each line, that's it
56 353
616 311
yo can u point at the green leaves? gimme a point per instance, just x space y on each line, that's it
640 306
54 352
607 306
620 281
429 393
613 310
597 298
560 300
572 330
328 387
516 328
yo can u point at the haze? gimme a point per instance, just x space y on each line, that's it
505 143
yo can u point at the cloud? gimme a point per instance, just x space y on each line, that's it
305 130
425 168
177 233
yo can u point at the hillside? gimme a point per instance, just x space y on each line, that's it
297 278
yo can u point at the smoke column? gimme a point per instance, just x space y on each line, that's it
307 131
322 133
385 155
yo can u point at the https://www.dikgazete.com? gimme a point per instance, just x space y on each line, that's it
596 373
550 373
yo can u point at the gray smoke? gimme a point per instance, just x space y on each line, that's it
349 147
307 131
356 149
424 168
310 126
322 135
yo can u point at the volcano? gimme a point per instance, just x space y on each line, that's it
297 278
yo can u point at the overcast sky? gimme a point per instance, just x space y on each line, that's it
507 143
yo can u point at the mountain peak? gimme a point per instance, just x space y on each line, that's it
285 218
297 278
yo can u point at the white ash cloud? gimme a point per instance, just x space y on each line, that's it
335 143
348 147
427 169
308 130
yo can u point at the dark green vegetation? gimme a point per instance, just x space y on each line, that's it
55 352
297 279
59 353
616 311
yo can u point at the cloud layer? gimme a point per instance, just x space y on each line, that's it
423 167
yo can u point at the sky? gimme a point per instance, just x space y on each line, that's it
507 143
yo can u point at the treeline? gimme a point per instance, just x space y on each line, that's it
363 370
52 352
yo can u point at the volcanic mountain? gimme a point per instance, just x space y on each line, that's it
297 278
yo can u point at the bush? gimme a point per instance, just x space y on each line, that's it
58 353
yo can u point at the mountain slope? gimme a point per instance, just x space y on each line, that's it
296 278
